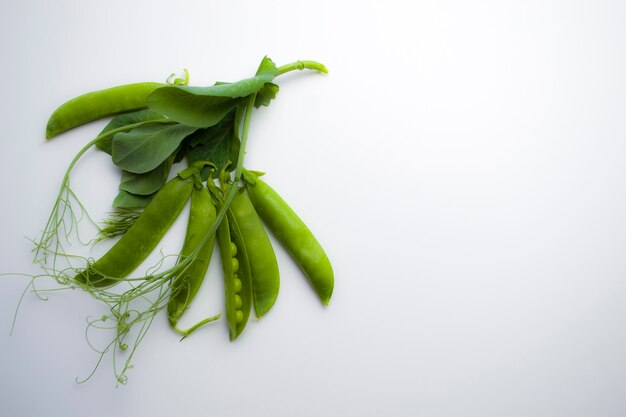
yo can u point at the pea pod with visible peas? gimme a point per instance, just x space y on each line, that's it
147 231
185 285
293 234
237 280
263 264
98 104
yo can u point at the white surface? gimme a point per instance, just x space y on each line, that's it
463 165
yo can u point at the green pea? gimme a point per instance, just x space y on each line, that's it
238 301
237 284
235 264
233 249
293 234
238 316
185 285
98 104
263 264
141 239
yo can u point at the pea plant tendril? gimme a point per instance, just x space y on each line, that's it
154 127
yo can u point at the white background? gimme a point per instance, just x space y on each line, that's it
462 164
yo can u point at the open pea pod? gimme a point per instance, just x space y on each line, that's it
237 281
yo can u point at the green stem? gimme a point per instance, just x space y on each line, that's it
244 136
300 65
196 326
238 171
239 166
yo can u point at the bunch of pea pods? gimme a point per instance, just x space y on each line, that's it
154 126
251 275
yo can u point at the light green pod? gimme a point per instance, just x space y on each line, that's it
185 286
144 235
263 264
293 234
98 104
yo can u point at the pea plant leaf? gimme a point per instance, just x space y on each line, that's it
146 147
124 199
206 106
265 95
218 144
190 109
149 182
126 119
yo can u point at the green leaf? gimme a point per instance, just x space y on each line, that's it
206 106
218 144
265 95
126 119
146 147
187 108
149 182
267 69
124 199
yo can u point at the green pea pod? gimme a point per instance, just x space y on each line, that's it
185 285
263 264
98 104
144 235
237 283
293 234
